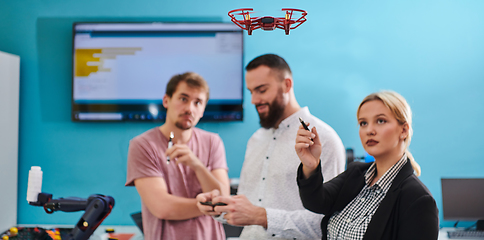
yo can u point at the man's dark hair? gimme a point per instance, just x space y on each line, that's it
272 61
192 79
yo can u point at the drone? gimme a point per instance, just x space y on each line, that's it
267 23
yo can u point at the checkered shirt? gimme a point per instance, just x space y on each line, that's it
352 222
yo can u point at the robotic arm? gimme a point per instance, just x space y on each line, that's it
97 207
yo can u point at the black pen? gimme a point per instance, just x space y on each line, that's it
305 126
170 144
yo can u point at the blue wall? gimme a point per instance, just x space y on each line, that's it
432 52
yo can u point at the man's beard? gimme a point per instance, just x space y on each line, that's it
276 109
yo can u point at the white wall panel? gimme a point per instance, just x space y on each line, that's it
9 122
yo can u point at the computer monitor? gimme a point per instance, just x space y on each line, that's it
463 199
120 70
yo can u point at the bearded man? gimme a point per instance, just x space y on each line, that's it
268 203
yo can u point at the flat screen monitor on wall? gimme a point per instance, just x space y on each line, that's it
120 70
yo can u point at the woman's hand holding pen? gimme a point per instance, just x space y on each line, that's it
308 150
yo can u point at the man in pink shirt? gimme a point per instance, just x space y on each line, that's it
197 164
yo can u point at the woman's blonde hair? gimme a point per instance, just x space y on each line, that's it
402 112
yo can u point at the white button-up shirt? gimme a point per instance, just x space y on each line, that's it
268 178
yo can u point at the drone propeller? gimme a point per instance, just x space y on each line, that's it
242 11
288 20
246 22
248 12
290 11
245 16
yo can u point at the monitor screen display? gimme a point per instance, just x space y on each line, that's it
463 199
120 70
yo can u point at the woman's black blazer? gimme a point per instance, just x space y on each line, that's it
408 211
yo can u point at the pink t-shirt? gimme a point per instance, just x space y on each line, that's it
146 158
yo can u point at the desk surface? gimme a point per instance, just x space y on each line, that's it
100 233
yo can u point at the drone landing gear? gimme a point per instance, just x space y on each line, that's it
287 28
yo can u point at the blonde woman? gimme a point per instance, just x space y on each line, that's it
380 200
